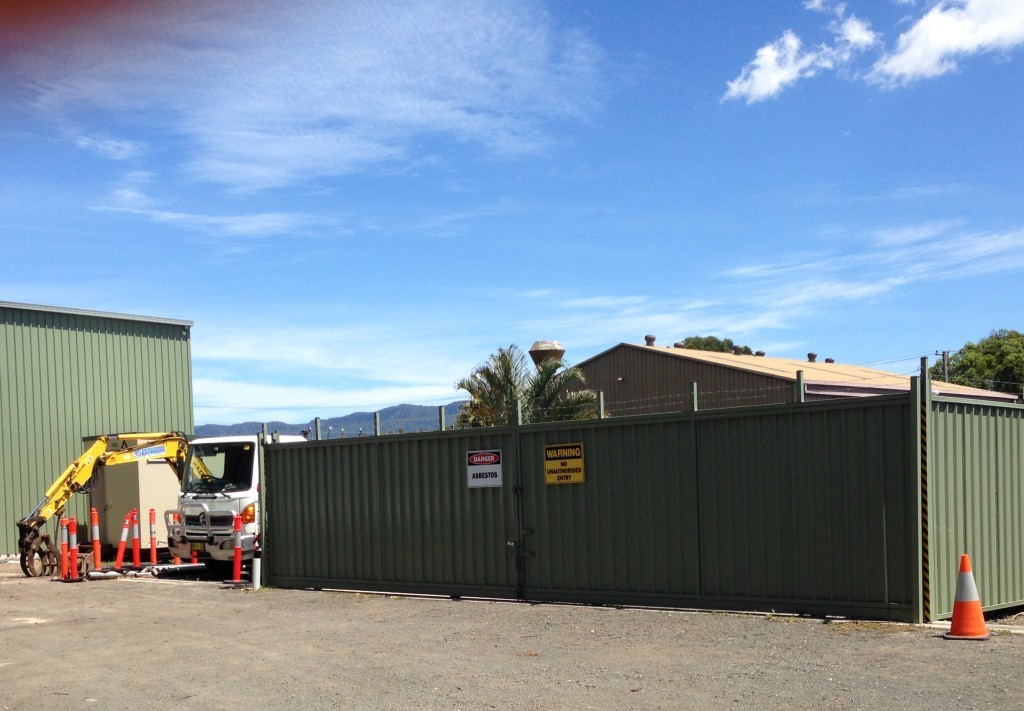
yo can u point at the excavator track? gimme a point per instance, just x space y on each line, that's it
40 559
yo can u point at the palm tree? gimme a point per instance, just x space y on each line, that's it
544 392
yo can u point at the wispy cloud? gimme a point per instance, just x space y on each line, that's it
758 298
297 371
376 78
265 224
949 31
886 260
131 195
115 149
227 400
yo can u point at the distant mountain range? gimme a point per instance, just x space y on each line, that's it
393 420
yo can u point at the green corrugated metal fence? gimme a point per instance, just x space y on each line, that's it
391 513
804 508
976 500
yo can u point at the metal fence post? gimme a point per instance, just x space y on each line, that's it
261 509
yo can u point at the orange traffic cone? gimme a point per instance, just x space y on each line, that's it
968 619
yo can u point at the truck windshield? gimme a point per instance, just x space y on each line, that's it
215 467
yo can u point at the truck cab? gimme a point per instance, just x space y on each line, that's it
220 480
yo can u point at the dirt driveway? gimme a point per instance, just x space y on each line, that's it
163 644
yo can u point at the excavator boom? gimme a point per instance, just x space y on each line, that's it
38 556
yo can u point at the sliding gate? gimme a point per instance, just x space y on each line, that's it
804 508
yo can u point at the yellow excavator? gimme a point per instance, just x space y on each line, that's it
38 554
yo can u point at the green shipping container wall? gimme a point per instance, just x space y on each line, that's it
66 374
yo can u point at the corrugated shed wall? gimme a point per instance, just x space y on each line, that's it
637 381
976 500
67 374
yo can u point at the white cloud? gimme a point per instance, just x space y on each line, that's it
893 257
948 32
292 372
224 401
110 147
264 224
951 30
262 94
916 233
856 33
781 64
775 67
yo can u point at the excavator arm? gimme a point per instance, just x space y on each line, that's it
38 556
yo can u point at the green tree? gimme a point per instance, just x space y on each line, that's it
549 392
993 363
711 343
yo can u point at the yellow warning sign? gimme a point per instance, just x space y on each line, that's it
563 463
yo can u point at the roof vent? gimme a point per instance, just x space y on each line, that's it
737 350
541 351
812 357
649 339
830 360
760 354
679 344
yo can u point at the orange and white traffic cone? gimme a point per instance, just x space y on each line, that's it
968 619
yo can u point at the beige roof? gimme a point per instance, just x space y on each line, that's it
821 373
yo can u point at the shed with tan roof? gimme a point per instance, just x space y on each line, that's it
640 379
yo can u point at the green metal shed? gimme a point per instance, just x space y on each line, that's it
66 374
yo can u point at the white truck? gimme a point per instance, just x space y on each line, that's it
221 479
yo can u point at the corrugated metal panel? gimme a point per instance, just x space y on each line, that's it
65 375
392 513
976 501
811 505
808 508
629 533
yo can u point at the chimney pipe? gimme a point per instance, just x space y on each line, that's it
649 339
812 357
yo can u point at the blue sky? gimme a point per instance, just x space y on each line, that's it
356 202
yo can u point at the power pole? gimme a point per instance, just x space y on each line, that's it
945 364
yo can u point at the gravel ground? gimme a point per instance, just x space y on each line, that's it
194 644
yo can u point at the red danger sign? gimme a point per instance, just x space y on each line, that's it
483 469
479 458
